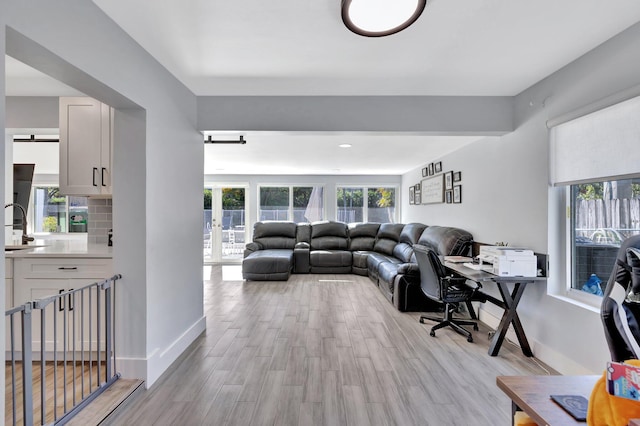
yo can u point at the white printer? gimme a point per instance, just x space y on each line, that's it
509 261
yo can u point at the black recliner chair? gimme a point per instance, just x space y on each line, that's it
447 289
620 316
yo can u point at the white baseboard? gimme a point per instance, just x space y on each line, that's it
159 361
542 352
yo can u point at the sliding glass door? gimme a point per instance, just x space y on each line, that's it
224 224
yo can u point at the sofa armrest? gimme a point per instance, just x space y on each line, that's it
301 258
408 269
251 247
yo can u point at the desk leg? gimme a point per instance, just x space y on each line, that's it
510 316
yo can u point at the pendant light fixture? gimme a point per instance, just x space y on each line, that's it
378 18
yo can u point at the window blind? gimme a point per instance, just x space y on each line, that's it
598 146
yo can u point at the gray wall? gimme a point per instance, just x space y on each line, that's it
155 208
506 197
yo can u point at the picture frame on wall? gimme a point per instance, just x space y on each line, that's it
432 190
457 176
448 180
425 171
457 194
412 195
417 185
437 168
418 197
449 196
431 168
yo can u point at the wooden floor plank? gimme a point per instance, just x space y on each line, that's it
326 349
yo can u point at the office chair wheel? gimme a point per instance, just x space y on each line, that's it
475 327
470 339
432 333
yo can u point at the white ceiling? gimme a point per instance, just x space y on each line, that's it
293 47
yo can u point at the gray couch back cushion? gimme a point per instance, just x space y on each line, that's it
275 235
447 241
408 237
362 236
329 236
387 238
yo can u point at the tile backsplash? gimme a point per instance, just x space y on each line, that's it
100 220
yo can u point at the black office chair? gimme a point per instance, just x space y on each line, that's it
620 316
443 288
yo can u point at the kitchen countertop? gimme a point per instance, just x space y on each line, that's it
62 248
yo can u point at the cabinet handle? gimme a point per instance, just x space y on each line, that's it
71 304
67 268
104 169
95 169
61 307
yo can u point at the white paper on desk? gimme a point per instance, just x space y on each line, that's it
478 267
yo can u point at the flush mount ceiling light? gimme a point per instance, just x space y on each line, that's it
377 18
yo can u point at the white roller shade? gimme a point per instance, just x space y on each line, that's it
597 146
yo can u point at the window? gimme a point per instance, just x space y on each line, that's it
53 212
380 204
595 158
291 203
603 214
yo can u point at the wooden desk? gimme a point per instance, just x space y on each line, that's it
531 395
509 302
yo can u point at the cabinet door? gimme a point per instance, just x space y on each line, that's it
81 134
106 149
58 318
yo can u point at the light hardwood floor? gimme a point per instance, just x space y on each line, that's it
325 350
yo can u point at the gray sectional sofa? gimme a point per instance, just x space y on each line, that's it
383 252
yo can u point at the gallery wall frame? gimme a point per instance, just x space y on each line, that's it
412 195
448 180
457 194
448 195
437 168
457 176
432 190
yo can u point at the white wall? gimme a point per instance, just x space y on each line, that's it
157 169
506 198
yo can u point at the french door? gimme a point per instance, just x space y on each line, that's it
224 224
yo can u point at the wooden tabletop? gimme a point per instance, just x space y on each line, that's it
531 394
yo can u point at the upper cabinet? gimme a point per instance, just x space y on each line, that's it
86 131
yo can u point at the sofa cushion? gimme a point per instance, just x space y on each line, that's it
404 252
362 236
387 237
329 229
447 241
330 258
275 235
272 264
329 243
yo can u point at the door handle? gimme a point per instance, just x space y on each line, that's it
71 304
102 175
67 268
95 169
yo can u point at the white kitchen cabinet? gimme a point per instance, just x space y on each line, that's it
8 284
38 278
86 133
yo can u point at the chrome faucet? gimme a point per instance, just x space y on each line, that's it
25 237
